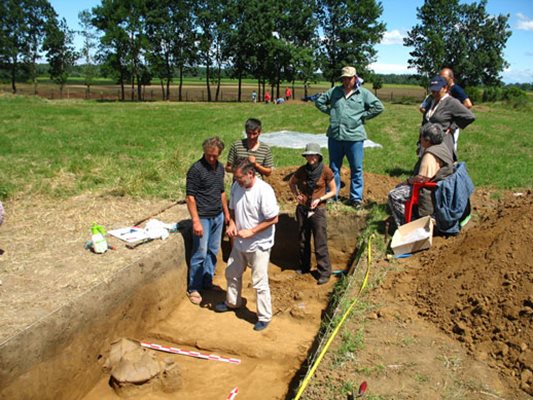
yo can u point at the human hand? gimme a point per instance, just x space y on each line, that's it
245 233
315 203
231 231
197 229
252 159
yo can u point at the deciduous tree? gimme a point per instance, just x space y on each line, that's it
463 37
60 52
351 29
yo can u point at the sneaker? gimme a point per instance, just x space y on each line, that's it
222 307
357 204
322 280
260 325
302 272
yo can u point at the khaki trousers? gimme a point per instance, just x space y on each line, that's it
258 262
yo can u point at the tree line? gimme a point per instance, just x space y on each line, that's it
136 42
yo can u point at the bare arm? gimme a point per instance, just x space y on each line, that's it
225 208
246 233
467 103
197 228
332 187
294 190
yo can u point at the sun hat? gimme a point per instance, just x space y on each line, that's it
437 83
312 149
348 72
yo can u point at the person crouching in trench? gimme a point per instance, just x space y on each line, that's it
312 185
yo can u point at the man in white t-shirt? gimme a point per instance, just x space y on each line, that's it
254 212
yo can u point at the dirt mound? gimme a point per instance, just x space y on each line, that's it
477 287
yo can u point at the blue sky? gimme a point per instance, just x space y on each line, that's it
399 17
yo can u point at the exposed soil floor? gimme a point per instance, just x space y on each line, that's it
453 322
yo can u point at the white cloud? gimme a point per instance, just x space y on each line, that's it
511 75
524 22
392 37
381 68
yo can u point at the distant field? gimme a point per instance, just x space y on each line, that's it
63 148
193 90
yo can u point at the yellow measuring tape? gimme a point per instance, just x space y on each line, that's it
337 328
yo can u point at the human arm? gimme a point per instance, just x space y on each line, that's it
323 102
197 228
467 103
231 230
332 190
225 208
429 166
266 223
293 185
373 106
462 116
231 158
263 170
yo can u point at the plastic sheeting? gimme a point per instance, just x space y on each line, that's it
298 140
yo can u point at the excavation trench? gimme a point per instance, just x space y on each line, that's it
62 356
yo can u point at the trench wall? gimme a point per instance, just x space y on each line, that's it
60 356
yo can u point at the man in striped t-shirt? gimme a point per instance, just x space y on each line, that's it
208 207
251 148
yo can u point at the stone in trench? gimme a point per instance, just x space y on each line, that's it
135 371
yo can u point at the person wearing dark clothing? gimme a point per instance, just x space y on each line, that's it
312 185
447 112
207 205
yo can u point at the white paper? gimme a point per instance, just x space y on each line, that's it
130 235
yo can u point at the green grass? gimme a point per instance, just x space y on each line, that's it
63 148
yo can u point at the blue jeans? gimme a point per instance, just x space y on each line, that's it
354 152
204 253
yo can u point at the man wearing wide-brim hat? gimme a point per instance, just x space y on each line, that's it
312 185
349 106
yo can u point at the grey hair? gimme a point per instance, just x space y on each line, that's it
432 132
244 165
213 142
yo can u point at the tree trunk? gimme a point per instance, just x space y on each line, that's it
162 88
218 82
122 88
168 89
14 76
181 83
140 96
207 76
239 89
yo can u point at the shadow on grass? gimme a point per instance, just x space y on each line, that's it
394 172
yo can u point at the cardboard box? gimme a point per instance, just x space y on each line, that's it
414 236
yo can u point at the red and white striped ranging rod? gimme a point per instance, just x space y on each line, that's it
233 393
174 350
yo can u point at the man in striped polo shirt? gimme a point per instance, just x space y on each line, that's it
251 148
208 207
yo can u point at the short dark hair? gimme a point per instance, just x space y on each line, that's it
245 165
252 124
432 132
211 142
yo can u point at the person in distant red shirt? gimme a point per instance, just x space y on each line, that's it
288 93
267 97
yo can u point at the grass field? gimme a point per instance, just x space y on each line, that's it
63 148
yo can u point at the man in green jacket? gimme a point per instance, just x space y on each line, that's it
348 107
